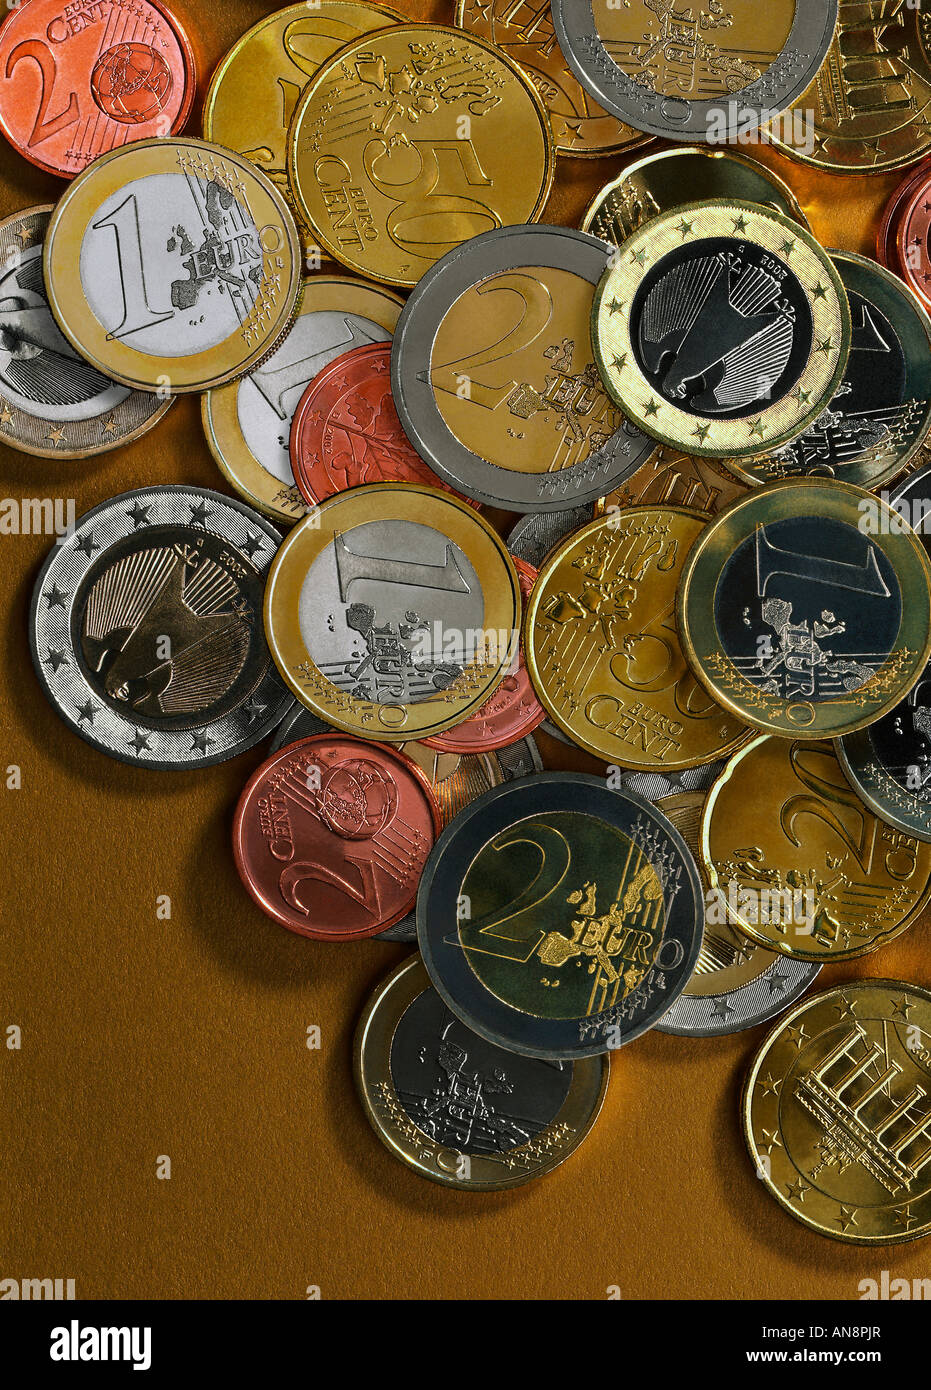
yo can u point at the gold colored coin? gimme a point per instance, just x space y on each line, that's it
721 329
727 959
256 87
671 478
525 33
655 184
603 651
520 420
392 611
248 422
412 140
172 265
868 108
804 867
837 1112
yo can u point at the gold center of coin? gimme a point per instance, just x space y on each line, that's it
804 867
694 51
561 916
727 960
513 372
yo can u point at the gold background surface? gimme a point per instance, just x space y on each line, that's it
144 1037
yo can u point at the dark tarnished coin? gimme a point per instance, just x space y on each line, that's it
659 182
722 329
736 984
146 628
493 377
881 412
889 763
52 402
837 1112
458 1109
805 608
693 73
559 918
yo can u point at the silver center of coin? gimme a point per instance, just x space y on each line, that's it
41 373
172 264
267 399
392 612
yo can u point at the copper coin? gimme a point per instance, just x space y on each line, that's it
511 713
912 250
331 836
887 250
79 80
346 431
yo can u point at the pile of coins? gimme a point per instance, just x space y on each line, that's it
696 410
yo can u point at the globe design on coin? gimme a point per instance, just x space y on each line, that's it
166 630
357 800
131 82
331 836
608 925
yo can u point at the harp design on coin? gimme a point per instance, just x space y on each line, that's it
717 334
164 637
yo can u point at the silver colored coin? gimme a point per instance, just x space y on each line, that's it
146 628
51 400
267 399
159 215
432 607
712 1015
537 534
298 723
623 76
591 453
